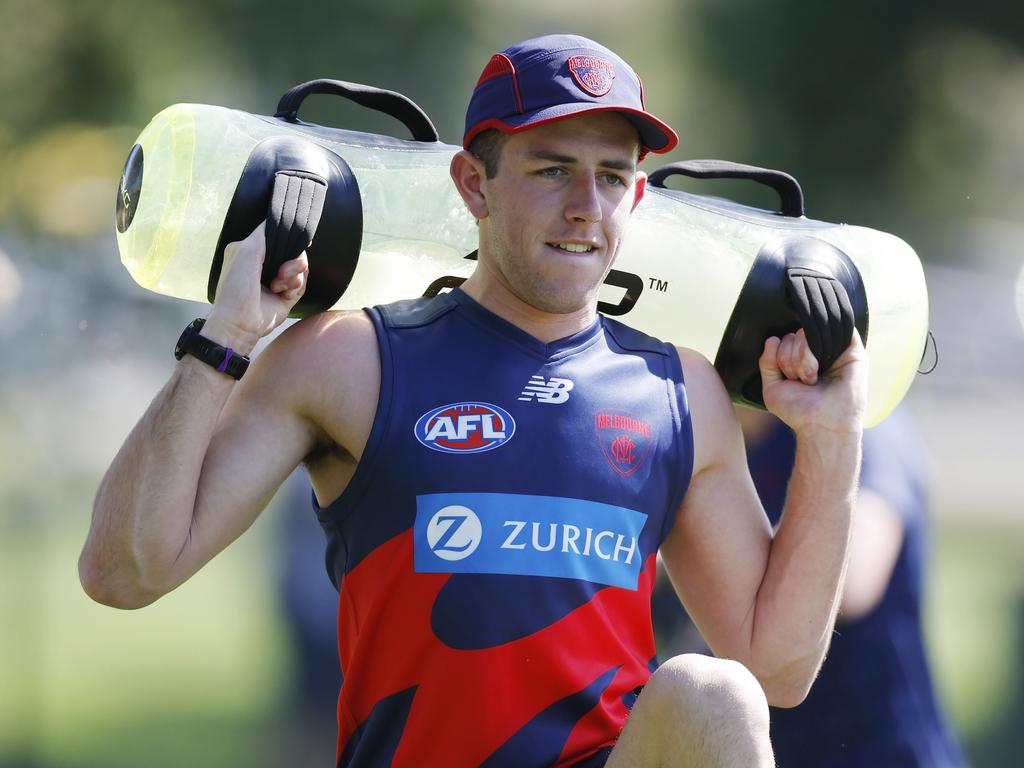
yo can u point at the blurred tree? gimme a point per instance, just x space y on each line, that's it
115 61
855 101
79 78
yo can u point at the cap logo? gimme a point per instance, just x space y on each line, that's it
593 75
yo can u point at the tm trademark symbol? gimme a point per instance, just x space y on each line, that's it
658 285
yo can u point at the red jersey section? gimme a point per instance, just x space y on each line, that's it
488 695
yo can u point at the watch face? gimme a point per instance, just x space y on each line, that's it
190 330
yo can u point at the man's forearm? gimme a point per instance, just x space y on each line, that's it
144 508
800 595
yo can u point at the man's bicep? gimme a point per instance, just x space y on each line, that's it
717 552
716 557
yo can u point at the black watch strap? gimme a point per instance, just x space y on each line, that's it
224 359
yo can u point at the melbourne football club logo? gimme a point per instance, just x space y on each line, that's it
625 440
454 533
593 75
465 428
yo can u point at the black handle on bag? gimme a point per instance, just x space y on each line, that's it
390 103
791 197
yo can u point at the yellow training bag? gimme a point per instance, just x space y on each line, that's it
386 223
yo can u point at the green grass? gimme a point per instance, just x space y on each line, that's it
975 628
189 680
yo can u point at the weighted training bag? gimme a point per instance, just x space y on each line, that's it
386 223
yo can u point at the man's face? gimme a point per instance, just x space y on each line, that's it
558 207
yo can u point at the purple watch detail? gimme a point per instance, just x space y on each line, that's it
228 353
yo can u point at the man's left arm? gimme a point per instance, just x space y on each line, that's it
770 601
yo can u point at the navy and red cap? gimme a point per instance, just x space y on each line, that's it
557 77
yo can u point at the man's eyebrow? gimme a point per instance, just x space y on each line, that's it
554 157
618 165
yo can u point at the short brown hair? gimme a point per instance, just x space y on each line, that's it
486 148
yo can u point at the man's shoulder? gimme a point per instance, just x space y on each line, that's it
324 329
692 362
319 346
326 369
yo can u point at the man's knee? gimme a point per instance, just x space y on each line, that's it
702 689
697 711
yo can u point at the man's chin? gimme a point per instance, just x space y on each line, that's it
562 301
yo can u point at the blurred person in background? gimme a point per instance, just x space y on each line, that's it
309 605
873 703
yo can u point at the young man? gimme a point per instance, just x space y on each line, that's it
497 468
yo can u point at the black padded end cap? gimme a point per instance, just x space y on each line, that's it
794 282
310 200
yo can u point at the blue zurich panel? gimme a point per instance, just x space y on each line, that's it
528 536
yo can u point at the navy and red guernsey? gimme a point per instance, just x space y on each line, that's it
495 549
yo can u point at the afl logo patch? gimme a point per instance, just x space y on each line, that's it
593 75
465 428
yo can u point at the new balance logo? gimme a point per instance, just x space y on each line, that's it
543 390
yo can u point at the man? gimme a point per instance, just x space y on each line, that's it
496 469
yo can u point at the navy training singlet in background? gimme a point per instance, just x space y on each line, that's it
495 549
873 703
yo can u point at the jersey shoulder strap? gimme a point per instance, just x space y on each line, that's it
412 313
633 340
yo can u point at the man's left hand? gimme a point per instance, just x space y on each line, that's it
794 391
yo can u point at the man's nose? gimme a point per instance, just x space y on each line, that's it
583 204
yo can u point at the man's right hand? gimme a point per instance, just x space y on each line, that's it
244 310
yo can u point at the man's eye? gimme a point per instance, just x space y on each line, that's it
552 172
614 180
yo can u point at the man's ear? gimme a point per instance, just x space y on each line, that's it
639 188
468 174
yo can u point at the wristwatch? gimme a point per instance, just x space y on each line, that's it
224 359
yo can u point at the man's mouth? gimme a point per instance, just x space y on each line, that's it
573 247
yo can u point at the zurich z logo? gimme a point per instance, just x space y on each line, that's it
454 533
552 391
465 428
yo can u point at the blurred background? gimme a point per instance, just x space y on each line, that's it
906 117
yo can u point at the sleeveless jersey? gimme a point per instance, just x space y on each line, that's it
495 548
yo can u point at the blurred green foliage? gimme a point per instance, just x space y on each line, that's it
896 115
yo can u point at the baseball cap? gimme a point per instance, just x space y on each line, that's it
556 77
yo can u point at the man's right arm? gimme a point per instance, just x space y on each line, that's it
209 452
183 485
